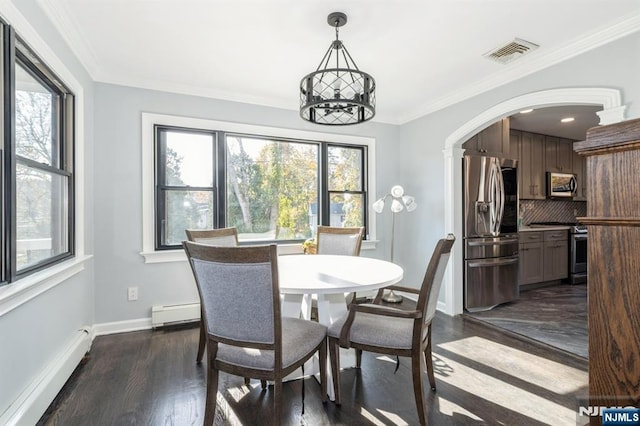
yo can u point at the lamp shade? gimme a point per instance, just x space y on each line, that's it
396 206
378 206
409 203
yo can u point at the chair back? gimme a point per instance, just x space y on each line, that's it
225 237
428 298
239 293
340 241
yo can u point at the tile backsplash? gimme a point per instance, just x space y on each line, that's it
551 210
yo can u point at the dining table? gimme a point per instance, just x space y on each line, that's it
329 278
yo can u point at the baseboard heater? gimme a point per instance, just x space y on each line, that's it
174 314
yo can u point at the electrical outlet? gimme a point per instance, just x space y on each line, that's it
132 294
575 212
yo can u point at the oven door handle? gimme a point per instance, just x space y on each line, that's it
580 237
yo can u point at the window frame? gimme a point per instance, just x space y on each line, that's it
149 122
16 52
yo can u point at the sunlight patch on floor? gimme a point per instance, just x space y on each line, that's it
239 392
536 370
451 408
500 393
393 418
370 417
386 359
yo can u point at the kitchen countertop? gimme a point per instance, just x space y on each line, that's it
543 228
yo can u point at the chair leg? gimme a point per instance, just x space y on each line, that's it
212 392
334 355
201 343
277 401
322 361
429 360
358 358
418 388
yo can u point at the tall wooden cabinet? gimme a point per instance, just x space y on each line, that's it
613 220
558 154
532 167
491 142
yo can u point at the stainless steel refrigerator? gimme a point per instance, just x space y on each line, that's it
490 232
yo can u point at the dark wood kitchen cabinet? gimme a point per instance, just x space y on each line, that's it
531 167
531 257
556 255
613 222
491 142
579 166
558 154
544 256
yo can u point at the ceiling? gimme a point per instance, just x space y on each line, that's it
424 54
546 121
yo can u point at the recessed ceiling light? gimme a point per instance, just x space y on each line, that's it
526 111
567 120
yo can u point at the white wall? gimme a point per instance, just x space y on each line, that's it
616 65
36 333
410 155
118 216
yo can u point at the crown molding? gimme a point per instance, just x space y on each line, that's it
538 60
534 63
58 14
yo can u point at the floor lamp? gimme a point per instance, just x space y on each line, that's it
399 202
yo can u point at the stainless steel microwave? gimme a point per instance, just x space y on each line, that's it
561 185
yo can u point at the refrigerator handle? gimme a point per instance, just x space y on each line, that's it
500 198
496 189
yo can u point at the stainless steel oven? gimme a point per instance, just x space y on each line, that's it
578 254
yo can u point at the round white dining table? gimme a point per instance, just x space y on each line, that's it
329 278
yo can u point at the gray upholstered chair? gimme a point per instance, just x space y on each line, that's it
340 241
246 334
392 331
223 237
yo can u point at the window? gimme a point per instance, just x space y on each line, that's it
37 164
271 188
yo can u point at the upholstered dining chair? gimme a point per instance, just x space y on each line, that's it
392 331
246 333
223 237
340 241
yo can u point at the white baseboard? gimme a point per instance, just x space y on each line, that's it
31 404
121 326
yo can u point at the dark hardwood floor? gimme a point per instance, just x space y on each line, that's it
554 315
483 377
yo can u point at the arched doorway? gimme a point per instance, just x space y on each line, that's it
613 112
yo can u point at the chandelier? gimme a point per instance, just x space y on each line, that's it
337 93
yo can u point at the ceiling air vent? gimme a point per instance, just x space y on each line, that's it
511 51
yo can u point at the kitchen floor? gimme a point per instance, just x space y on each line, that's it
555 315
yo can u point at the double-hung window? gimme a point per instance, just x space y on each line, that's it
37 163
271 188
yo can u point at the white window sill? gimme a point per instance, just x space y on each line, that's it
163 256
20 292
